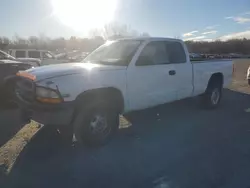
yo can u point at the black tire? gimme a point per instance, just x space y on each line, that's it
212 97
91 131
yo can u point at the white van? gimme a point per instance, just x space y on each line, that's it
47 58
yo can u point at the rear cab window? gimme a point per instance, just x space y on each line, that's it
20 53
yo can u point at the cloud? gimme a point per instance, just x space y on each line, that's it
212 27
189 34
238 35
240 20
198 38
246 13
210 32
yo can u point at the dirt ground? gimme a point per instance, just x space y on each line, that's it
239 82
176 145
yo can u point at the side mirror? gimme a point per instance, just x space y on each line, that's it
144 60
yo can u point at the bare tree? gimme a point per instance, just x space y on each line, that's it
115 30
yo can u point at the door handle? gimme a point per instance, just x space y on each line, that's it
172 72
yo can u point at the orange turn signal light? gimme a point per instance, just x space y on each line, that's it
49 100
26 75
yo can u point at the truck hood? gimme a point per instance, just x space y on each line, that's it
51 71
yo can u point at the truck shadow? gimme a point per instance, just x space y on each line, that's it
9 123
159 137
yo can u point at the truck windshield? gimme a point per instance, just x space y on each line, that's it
114 53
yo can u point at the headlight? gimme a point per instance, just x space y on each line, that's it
47 95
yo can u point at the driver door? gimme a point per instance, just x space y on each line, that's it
151 81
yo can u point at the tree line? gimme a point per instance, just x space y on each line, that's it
240 46
114 31
96 38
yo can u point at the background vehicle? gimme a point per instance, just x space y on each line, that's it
32 61
118 77
248 76
195 57
9 68
46 57
79 57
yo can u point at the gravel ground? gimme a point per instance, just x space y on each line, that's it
176 145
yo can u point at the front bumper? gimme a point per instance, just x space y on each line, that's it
55 114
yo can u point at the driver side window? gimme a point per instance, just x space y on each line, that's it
154 53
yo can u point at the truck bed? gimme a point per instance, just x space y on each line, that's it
202 72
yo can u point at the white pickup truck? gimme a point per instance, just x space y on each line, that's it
86 98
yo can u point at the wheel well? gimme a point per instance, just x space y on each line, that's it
217 78
110 94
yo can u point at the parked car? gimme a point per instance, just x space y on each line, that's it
8 69
248 75
235 55
32 61
86 98
79 57
195 57
46 57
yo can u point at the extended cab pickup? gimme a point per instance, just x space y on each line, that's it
121 76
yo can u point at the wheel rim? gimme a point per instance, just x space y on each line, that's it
215 96
98 125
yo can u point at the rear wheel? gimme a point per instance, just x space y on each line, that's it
212 97
95 124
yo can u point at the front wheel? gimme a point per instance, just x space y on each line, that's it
95 124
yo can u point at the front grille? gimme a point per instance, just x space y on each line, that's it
25 89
